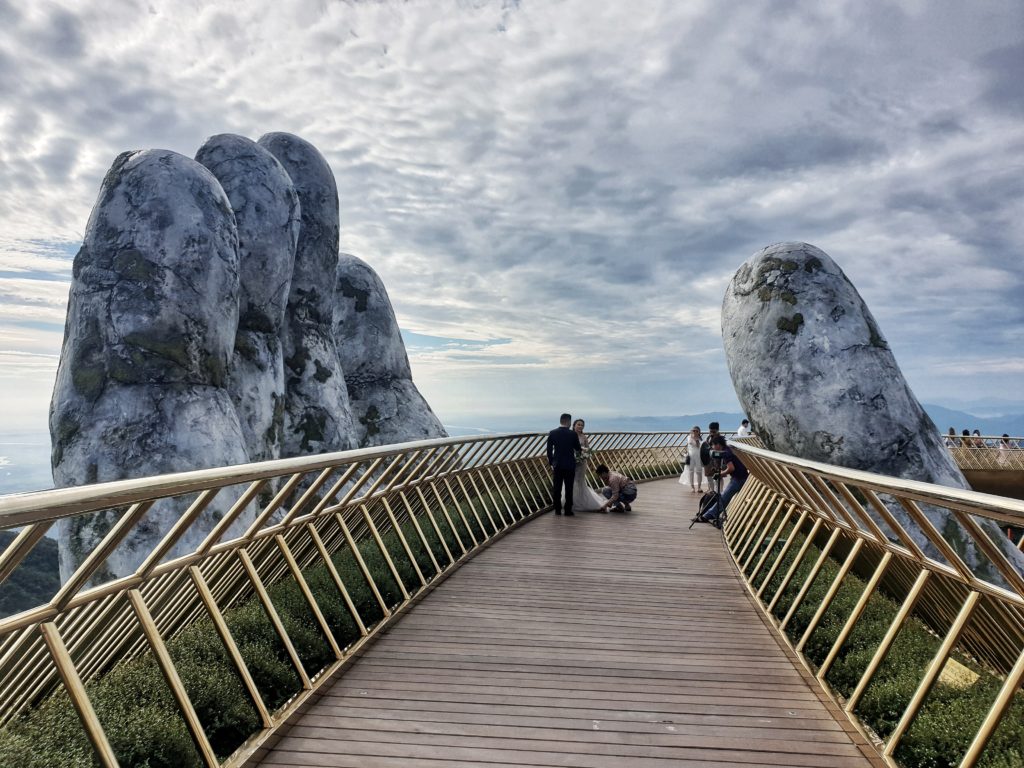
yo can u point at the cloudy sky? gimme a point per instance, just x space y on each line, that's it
556 193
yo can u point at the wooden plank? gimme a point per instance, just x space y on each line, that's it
598 641
430 722
594 741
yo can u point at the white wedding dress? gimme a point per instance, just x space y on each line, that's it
584 498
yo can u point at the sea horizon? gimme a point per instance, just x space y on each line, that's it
25 453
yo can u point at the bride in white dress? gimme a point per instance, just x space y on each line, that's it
693 472
584 498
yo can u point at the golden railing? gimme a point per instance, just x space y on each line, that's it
419 510
799 528
987 452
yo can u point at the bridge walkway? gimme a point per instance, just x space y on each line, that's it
590 641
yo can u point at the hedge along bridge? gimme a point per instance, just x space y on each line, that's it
343 545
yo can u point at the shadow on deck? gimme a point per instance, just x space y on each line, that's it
598 640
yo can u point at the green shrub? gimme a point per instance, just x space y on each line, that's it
214 687
860 646
950 717
264 653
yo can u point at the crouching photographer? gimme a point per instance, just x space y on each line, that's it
729 466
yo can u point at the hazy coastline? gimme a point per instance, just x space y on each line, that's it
25 454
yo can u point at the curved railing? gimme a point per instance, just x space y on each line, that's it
988 452
350 538
803 533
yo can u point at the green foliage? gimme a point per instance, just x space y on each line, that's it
950 717
135 708
34 582
135 705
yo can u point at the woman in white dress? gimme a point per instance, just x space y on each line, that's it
693 472
584 499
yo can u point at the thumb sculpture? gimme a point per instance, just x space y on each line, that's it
818 380
204 327
386 405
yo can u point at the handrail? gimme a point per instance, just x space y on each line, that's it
792 510
986 452
984 441
324 526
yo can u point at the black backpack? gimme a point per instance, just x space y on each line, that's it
705 453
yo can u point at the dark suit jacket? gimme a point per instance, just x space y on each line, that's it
562 446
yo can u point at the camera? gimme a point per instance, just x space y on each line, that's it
717 454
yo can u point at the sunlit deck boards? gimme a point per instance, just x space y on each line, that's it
597 640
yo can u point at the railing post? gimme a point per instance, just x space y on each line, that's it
887 641
795 564
79 698
854 617
1009 690
815 570
931 675
275 619
229 643
383 550
170 674
783 552
773 540
336 578
354 549
405 544
830 595
419 531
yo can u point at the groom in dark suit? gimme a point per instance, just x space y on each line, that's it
563 444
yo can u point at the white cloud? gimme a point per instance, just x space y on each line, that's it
579 178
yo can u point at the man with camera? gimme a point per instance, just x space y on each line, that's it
728 466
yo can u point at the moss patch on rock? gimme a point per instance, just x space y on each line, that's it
790 324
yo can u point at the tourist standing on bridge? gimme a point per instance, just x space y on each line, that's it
707 465
1004 449
563 445
732 468
583 497
744 430
693 471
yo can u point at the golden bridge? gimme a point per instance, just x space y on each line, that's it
414 605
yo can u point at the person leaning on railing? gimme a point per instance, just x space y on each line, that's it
732 468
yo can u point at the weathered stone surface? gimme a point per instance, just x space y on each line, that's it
818 380
386 405
152 315
317 415
266 208
815 374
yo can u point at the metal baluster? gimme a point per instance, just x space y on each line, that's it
79 698
887 641
931 675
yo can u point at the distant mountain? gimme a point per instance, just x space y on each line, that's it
728 422
988 406
34 582
945 418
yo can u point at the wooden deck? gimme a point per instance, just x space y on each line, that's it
595 640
